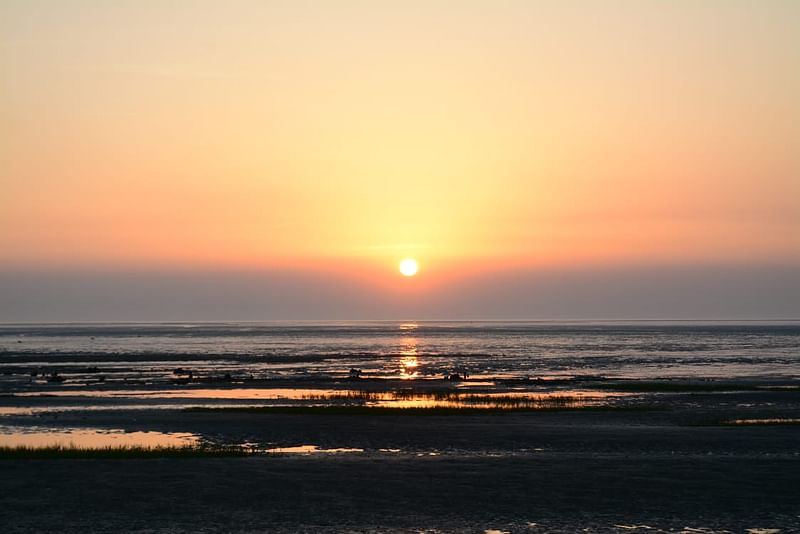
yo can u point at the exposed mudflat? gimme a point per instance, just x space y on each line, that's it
470 493
643 470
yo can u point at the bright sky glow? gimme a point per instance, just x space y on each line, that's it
336 137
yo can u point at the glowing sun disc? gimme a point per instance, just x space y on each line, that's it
408 267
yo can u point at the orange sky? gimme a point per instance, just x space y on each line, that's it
343 136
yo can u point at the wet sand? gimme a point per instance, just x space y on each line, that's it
655 448
665 468
559 493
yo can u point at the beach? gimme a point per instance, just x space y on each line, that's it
642 470
389 494
185 441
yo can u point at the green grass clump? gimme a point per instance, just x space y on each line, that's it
121 452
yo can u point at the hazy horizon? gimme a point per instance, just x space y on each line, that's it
659 293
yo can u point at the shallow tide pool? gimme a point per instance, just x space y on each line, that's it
91 438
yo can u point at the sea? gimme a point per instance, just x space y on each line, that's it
50 370
396 349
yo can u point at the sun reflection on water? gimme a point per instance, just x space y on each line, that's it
408 358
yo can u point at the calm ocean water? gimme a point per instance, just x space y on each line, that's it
413 349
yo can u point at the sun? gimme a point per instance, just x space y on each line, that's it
409 267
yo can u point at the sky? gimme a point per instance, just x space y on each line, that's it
248 160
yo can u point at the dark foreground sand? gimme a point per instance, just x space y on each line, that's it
643 470
369 493
602 471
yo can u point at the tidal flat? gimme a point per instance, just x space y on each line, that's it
380 427
659 461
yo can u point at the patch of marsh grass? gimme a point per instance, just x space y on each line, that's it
121 452
415 411
465 399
